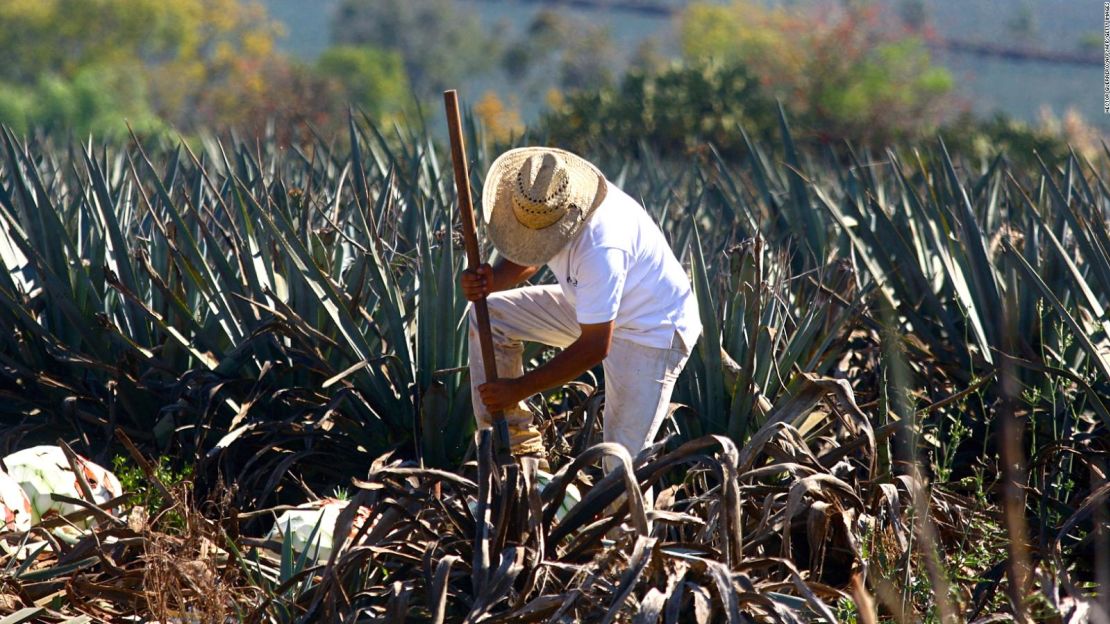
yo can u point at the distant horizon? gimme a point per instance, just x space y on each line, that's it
1019 88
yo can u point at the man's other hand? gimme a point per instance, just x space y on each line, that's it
477 283
502 394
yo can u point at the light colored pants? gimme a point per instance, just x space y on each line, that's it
638 379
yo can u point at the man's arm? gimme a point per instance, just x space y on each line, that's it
477 283
507 274
584 353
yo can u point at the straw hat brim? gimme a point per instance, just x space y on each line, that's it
518 243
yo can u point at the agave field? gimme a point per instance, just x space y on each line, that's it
898 410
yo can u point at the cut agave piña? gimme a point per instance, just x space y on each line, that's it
570 498
15 507
320 515
44 470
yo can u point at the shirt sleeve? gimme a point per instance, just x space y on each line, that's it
601 273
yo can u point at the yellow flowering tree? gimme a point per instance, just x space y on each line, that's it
176 57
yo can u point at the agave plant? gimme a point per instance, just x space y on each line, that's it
884 332
193 290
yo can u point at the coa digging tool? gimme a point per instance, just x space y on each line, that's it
473 261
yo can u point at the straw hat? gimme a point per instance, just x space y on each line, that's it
536 199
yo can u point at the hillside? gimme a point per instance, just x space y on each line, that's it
1019 88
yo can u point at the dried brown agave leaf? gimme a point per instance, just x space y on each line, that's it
641 556
703 603
601 495
886 497
817 487
676 579
538 609
817 528
439 587
651 607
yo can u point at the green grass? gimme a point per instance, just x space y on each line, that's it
146 494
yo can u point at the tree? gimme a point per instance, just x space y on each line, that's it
914 14
677 110
1022 26
39 37
372 79
94 62
100 100
286 98
648 57
439 43
555 45
842 75
500 121
16 104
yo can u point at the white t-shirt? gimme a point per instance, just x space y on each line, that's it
621 267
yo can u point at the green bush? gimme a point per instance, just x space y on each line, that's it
983 139
680 109
145 493
98 100
15 106
372 79
842 74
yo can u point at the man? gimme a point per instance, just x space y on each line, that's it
622 299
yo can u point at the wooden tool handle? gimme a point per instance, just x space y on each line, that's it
473 254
